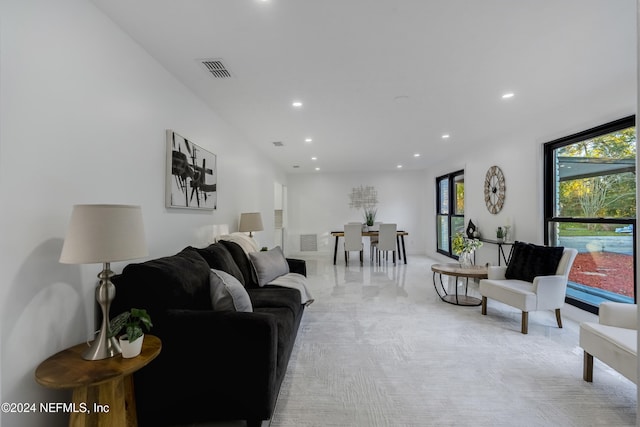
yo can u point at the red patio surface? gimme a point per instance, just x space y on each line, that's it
604 270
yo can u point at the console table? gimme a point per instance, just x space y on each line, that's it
500 249
102 389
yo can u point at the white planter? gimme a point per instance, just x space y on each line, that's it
130 349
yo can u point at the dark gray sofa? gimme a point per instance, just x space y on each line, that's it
213 365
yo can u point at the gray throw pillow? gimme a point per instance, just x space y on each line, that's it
227 293
269 265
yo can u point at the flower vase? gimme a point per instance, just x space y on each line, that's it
466 259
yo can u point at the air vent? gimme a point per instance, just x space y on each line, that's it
278 143
308 242
216 67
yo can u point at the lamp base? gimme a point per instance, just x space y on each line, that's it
102 349
104 346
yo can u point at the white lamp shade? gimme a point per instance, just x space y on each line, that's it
104 233
250 222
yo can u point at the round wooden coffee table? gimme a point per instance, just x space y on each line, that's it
456 270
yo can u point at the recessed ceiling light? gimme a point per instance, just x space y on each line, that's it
308 140
508 95
297 104
399 166
314 158
317 169
416 155
446 136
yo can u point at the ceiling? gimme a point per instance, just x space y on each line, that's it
383 80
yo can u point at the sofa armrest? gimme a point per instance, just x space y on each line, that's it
551 291
619 314
495 272
297 266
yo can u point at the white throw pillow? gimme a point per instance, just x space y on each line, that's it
248 244
227 293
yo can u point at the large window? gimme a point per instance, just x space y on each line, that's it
590 205
449 209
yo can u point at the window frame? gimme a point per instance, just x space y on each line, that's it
451 198
549 193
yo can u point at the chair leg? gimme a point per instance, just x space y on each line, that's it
525 322
587 372
484 305
361 257
346 258
559 318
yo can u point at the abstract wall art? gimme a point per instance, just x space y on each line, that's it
191 180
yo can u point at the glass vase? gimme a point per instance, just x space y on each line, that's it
466 259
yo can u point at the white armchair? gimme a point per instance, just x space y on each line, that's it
543 293
613 340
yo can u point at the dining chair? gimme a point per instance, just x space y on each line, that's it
373 239
353 241
387 241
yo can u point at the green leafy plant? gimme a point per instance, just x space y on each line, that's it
132 322
461 244
370 216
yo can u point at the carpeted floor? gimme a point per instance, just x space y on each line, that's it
379 348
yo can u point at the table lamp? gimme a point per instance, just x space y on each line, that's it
104 234
250 222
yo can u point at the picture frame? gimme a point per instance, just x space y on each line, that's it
191 175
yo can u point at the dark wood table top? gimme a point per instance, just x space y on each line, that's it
368 233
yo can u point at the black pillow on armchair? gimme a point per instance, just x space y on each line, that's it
529 260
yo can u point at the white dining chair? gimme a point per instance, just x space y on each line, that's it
353 241
373 239
387 241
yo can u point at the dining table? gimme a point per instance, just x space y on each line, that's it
402 252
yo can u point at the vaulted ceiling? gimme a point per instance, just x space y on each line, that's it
381 81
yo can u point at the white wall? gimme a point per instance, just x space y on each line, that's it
319 204
83 115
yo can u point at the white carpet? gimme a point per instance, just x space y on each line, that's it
379 348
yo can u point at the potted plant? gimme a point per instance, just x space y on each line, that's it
132 322
464 248
500 234
370 216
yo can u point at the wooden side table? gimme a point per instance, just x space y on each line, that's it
456 270
102 389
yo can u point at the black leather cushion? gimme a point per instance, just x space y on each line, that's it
242 261
529 261
219 258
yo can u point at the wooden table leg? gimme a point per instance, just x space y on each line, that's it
404 250
101 405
